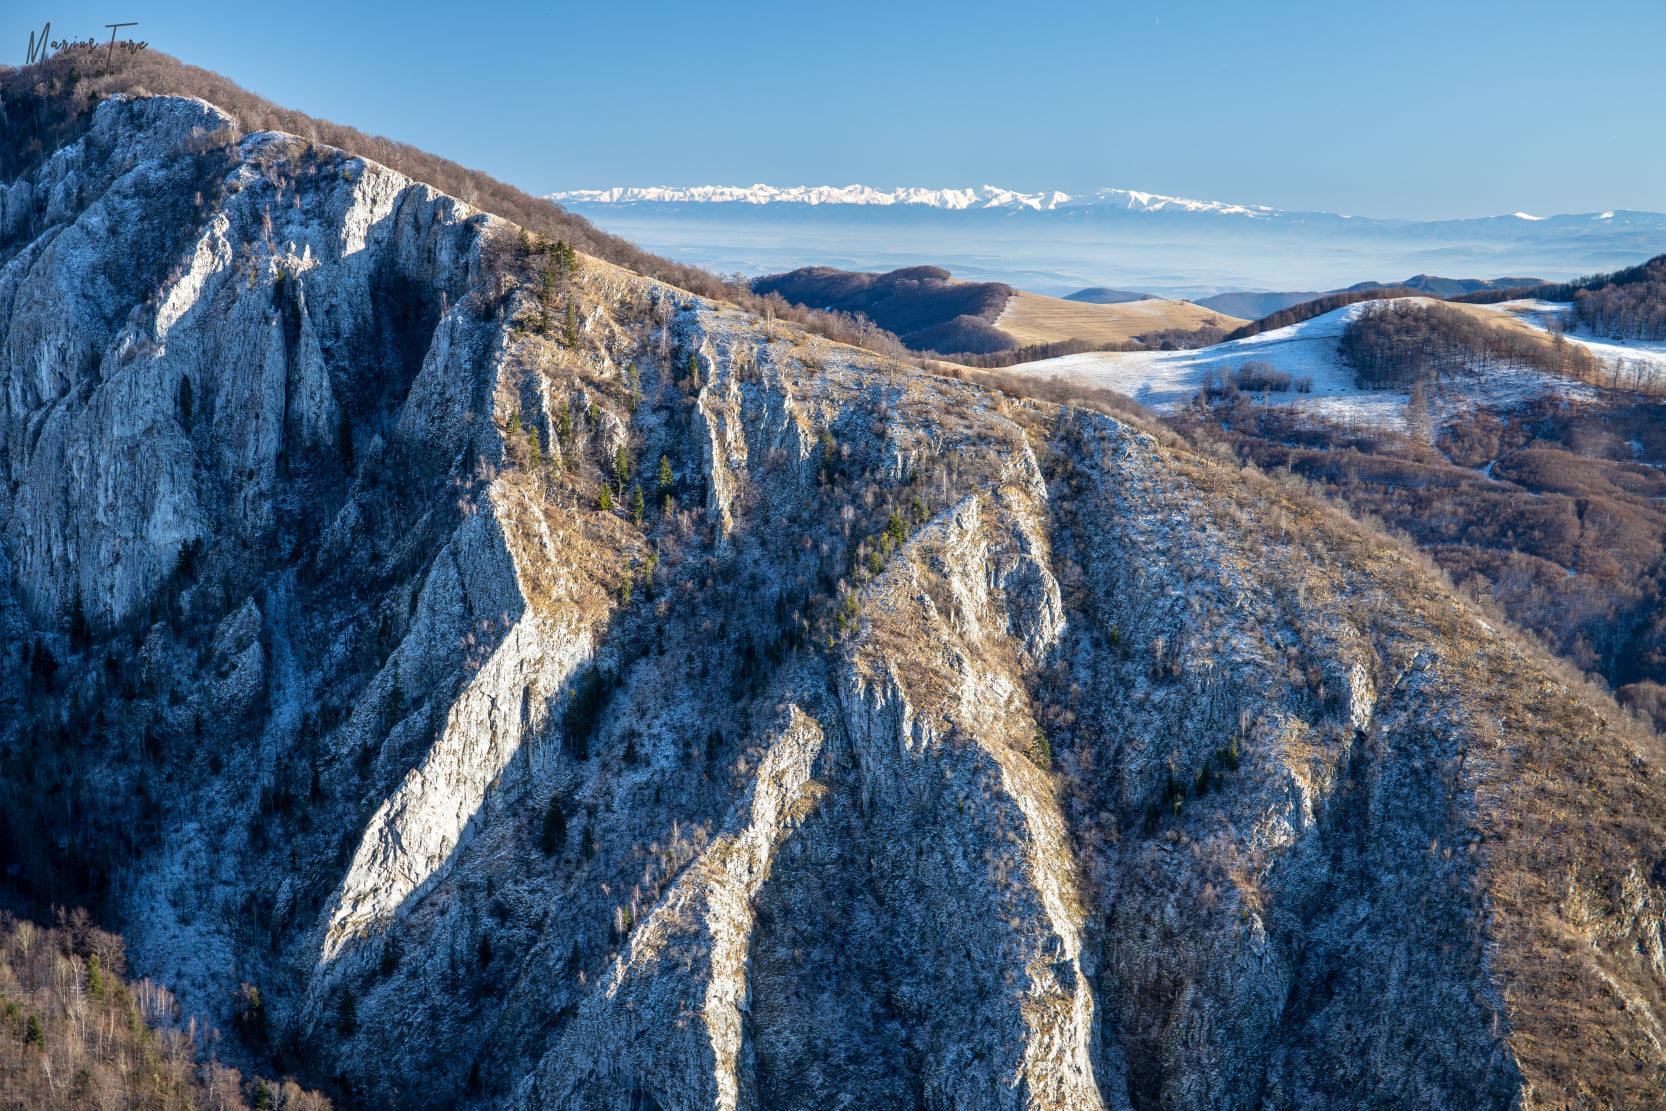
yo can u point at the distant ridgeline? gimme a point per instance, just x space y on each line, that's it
1627 304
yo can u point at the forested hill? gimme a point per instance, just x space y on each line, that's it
923 305
1627 304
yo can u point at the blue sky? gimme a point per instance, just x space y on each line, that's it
1411 109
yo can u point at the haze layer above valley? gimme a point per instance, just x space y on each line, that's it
1053 242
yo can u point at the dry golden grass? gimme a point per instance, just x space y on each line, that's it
1032 318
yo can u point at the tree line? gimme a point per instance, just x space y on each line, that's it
1636 311
1398 346
1626 304
75 1033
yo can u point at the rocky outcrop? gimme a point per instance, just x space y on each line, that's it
887 742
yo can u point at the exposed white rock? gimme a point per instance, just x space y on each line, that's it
1079 786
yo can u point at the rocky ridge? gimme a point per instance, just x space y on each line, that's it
911 744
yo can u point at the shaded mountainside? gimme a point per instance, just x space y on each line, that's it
1099 295
921 305
555 690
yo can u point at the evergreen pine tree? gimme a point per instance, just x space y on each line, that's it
605 501
829 451
394 707
1041 752
565 429
80 633
553 835
636 505
347 1014
95 977
514 424
571 330
666 478
536 453
621 469
263 1098
33 1034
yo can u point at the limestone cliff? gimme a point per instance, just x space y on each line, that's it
885 742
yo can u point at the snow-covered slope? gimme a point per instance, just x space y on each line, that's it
1166 380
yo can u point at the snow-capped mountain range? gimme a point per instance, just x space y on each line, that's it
1055 242
982 196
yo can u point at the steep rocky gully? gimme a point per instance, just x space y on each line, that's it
906 745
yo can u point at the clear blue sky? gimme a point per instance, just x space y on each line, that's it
1415 109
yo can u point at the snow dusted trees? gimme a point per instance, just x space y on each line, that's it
1398 345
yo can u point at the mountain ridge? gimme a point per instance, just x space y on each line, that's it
979 197
915 744
996 198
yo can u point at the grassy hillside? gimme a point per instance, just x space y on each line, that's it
1032 318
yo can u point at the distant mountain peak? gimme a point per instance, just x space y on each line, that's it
981 196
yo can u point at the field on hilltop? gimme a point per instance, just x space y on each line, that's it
1031 318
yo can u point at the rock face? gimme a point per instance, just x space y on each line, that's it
910 745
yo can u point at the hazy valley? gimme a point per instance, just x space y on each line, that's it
1129 240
